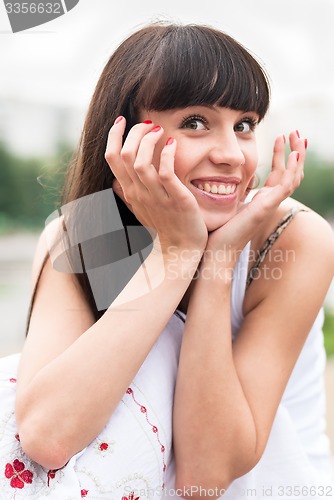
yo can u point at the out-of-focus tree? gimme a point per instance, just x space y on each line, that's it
317 188
29 188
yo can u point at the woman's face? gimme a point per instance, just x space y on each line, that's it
216 155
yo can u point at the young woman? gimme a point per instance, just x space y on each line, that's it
201 373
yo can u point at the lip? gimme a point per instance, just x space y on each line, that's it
221 180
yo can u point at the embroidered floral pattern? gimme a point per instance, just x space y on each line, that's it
51 475
13 380
155 429
103 447
84 493
18 474
131 496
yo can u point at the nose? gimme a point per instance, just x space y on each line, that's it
226 150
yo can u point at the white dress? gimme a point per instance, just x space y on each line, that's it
133 459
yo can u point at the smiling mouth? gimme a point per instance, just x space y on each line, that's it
219 188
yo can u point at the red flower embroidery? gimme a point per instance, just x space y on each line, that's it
104 447
131 496
51 475
154 428
13 380
84 493
17 474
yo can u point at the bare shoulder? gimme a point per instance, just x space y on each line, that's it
308 231
303 253
46 245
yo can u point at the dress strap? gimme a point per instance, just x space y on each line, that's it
271 240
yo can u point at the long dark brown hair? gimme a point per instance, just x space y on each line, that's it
160 67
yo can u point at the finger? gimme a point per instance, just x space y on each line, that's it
171 183
117 188
294 139
132 145
298 143
113 149
278 163
292 176
272 196
143 166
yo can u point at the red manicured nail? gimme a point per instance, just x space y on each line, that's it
148 122
170 141
156 129
305 143
298 134
119 119
297 156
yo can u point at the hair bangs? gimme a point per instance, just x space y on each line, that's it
204 68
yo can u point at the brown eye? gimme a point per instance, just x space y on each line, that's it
245 126
194 123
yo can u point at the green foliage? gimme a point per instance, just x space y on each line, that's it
317 188
29 188
329 333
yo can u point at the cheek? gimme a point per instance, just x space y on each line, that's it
251 159
186 158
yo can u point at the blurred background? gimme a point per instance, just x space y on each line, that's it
48 75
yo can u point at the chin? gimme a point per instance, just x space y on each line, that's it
212 226
213 223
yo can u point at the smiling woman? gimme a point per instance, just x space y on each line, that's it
207 137
202 377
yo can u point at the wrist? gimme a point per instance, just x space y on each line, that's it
215 273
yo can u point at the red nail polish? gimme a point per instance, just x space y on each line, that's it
297 156
305 143
119 119
148 122
298 134
156 129
170 141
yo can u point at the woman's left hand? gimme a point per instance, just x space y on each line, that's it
283 180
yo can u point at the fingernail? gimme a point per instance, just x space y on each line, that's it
119 119
298 134
170 141
305 143
284 139
297 156
156 129
148 122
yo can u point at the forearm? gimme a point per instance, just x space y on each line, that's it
214 431
86 382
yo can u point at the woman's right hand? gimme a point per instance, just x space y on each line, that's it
154 193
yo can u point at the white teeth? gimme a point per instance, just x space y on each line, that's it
220 189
